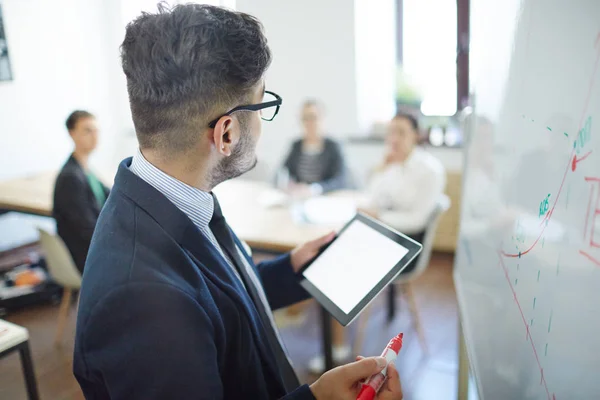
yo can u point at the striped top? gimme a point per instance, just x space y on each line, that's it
199 207
311 165
310 168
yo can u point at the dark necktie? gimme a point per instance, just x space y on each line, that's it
222 233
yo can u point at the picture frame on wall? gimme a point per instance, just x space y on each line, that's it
5 69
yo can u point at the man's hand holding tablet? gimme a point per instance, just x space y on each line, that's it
359 263
301 255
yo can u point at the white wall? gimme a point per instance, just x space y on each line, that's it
61 61
65 55
313 56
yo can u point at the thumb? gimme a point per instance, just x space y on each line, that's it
364 368
393 379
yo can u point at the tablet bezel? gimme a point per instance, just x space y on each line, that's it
413 247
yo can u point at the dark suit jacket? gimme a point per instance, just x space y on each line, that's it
161 314
333 174
75 209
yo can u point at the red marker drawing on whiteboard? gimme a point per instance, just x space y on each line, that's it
576 160
371 387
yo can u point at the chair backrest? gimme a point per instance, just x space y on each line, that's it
60 263
443 204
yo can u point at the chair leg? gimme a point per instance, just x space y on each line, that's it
391 298
363 320
63 313
77 304
28 371
412 305
327 338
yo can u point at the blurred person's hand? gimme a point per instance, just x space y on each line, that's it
369 211
344 383
299 190
389 158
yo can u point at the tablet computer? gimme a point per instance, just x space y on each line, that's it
359 263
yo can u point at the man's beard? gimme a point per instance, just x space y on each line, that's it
241 160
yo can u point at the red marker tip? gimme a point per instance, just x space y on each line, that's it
396 343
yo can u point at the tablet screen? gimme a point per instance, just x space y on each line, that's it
354 264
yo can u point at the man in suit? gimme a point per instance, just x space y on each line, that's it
172 307
78 193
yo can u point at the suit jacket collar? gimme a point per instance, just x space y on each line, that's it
169 217
73 166
195 203
73 161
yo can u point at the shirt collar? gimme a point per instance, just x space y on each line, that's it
196 204
410 161
413 157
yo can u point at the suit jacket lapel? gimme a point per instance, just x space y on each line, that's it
204 253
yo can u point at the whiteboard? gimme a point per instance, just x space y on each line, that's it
527 267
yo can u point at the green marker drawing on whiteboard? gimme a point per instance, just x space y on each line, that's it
544 205
583 137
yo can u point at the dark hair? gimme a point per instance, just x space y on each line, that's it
75 116
187 65
414 122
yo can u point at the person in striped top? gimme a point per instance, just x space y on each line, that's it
315 162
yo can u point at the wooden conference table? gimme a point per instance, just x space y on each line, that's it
251 208
263 226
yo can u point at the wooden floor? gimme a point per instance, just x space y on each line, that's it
423 378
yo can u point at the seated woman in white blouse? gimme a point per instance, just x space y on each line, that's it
402 193
404 190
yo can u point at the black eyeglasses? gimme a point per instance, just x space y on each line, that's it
268 108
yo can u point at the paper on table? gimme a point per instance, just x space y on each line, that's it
329 210
273 198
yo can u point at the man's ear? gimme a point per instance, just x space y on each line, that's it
224 135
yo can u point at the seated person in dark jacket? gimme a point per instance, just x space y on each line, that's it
315 163
78 193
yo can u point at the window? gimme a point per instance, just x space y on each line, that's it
428 58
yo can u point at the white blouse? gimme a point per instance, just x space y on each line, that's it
405 194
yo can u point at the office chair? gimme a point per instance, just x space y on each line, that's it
16 338
63 271
404 281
